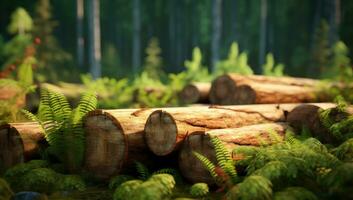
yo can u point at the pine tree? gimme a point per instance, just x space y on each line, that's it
153 61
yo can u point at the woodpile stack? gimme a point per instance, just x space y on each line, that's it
116 138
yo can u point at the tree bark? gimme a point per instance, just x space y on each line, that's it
216 31
114 138
254 135
236 89
94 38
263 31
195 93
136 42
79 29
166 128
19 142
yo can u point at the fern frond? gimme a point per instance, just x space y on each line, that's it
344 152
207 164
142 171
273 170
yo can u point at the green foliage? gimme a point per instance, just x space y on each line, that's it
295 193
142 171
270 69
344 152
153 61
63 126
41 180
125 190
199 190
21 22
253 187
157 187
14 50
321 52
107 90
118 180
5 190
224 173
195 71
235 63
71 182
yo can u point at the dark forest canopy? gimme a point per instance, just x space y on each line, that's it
290 29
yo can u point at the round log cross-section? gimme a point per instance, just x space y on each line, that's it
114 138
195 93
19 142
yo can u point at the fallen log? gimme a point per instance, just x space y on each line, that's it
114 138
19 142
195 93
236 89
308 117
166 128
255 135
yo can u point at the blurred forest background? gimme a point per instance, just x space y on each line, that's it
118 38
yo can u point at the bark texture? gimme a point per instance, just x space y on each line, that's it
19 142
193 169
236 89
166 128
195 93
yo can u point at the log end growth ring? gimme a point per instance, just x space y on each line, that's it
190 94
161 133
222 90
106 145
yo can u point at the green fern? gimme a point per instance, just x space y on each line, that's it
294 193
224 159
207 164
344 152
177 177
142 170
273 170
199 190
63 126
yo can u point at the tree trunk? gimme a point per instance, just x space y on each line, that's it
166 128
236 89
79 29
254 135
216 31
114 138
94 38
263 30
136 42
19 142
195 93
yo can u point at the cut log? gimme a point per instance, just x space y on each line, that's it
19 142
235 89
195 93
308 117
114 138
192 168
166 128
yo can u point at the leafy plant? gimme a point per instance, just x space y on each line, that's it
224 173
195 71
63 126
270 69
71 182
235 63
199 190
157 187
118 180
294 193
41 180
